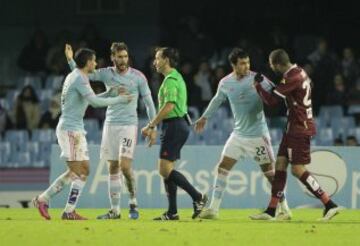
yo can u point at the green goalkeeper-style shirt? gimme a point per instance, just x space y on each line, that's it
173 89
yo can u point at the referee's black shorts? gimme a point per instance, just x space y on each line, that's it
174 133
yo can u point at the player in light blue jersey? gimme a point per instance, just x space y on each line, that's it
75 98
250 137
120 128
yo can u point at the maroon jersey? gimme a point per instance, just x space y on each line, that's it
295 88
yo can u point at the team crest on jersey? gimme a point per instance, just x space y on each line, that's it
283 81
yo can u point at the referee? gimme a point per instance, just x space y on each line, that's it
172 98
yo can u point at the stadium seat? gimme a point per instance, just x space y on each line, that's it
276 135
325 137
141 140
34 150
17 139
278 122
221 113
45 152
329 112
91 125
94 136
342 127
213 137
192 139
194 113
5 151
45 94
11 96
4 103
22 159
34 81
44 105
354 109
43 135
54 82
357 133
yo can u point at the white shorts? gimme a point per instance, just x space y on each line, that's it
257 149
118 141
73 145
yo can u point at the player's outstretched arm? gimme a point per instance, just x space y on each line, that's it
214 104
113 92
98 102
266 96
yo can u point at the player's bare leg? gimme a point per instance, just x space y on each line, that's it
114 188
220 182
331 209
79 173
126 168
283 211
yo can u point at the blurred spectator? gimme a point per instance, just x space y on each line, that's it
354 94
5 122
256 54
219 73
32 57
202 79
351 141
324 64
194 91
309 69
27 109
337 95
338 142
51 116
55 60
349 66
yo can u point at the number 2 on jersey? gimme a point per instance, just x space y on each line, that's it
307 101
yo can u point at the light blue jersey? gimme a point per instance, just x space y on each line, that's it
246 105
76 95
135 83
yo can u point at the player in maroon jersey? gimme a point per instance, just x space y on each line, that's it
295 89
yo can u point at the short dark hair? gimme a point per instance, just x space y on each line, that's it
171 53
237 53
118 46
279 57
82 56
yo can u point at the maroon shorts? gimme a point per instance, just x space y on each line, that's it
296 149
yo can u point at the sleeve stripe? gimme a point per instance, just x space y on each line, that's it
279 94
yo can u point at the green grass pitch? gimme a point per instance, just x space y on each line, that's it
26 227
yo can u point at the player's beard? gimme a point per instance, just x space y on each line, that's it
122 67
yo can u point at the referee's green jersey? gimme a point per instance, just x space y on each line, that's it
173 89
